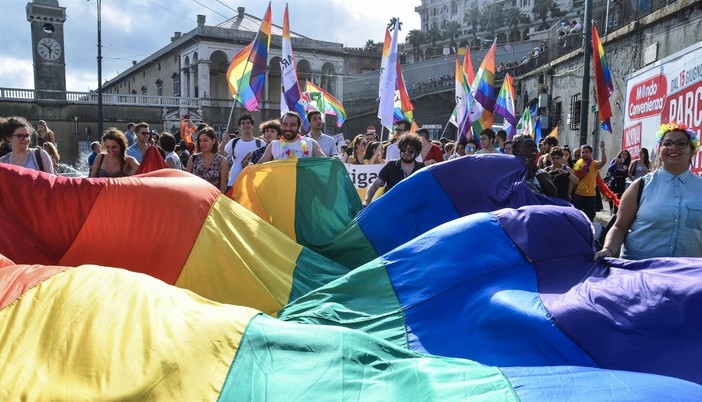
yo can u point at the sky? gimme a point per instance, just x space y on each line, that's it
134 29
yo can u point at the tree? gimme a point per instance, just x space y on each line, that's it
416 38
473 18
452 31
370 46
432 36
492 17
391 24
542 8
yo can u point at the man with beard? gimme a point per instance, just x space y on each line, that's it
395 170
291 145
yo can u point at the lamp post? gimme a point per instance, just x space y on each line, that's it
100 116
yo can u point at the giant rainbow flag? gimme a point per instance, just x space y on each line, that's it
98 333
247 71
165 224
409 308
362 239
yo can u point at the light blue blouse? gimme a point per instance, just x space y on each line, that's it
669 220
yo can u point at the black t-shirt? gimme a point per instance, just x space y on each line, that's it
392 172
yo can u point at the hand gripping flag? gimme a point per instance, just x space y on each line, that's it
603 81
247 71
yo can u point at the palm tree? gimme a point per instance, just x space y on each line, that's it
452 31
391 24
370 46
432 36
473 18
416 38
542 8
493 17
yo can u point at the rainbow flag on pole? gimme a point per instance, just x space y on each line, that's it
290 98
247 71
388 84
483 89
461 113
505 106
331 105
603 81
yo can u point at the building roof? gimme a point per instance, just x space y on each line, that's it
247 22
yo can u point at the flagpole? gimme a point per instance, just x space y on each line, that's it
231 112
587 53
446 126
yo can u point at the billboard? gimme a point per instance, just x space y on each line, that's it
669 90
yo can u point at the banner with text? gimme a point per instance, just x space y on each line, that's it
363 176
669 90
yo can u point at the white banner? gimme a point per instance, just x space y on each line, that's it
363 176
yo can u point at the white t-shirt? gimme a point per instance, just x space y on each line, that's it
392 152
293 149
242 149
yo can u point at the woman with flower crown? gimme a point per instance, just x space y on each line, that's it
587 169
291 145
667 219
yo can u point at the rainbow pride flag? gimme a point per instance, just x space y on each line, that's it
291 98
461 112
518 305
169 344
388 80
603 81
331 105
483 89
247 71
164 224
361 239
321 200
403 105
505 106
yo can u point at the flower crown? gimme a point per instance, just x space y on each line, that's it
672 126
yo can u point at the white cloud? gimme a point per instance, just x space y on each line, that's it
134 29
16 73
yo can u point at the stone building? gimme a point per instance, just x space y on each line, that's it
556 85
194 65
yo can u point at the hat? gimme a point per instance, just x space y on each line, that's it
370 130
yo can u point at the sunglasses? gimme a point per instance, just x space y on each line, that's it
679 144
408 150
471 148
21 136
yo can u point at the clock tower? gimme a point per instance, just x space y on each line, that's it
46 18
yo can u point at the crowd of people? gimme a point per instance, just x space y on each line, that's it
658 214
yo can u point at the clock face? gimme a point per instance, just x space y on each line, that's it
49 48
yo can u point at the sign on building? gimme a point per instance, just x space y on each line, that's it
669 90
